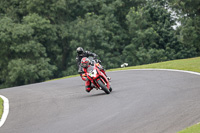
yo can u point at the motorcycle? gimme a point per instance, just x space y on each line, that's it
97 78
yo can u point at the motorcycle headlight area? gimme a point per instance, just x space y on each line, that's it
93 73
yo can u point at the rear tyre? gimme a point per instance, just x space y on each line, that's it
103 86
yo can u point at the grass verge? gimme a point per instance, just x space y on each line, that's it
65 77
1 107
192 129
191 64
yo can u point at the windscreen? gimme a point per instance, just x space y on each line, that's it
91 68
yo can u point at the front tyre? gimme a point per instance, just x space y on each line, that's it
110 89
103 86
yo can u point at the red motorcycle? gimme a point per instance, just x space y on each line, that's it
97 78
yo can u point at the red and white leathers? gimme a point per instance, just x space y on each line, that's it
88 86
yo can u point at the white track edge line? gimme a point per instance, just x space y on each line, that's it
5 110
151 69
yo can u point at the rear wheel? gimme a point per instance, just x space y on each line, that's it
103 86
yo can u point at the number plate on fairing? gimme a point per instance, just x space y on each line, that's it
93 73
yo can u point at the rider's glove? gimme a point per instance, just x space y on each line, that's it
84 78
98 61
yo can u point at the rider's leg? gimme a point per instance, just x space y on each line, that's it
88 86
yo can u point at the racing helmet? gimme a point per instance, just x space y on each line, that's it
79 50
85 62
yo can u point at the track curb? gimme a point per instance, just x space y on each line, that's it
5 110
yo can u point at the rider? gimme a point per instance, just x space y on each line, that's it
85 63
81 54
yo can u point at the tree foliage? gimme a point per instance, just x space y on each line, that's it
189 17
152 37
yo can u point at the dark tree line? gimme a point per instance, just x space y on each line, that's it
38 39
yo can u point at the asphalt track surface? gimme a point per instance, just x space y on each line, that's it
148 101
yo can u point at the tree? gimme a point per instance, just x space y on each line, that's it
27 61
189 16
6 26
153 38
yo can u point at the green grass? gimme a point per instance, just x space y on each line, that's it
1 107
65 77
191 64
192 129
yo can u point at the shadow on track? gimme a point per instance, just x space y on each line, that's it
101 94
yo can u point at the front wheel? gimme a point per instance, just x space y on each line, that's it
110 89
103 86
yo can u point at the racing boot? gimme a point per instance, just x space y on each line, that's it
89 88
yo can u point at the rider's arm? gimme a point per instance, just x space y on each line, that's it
83 77
91 54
